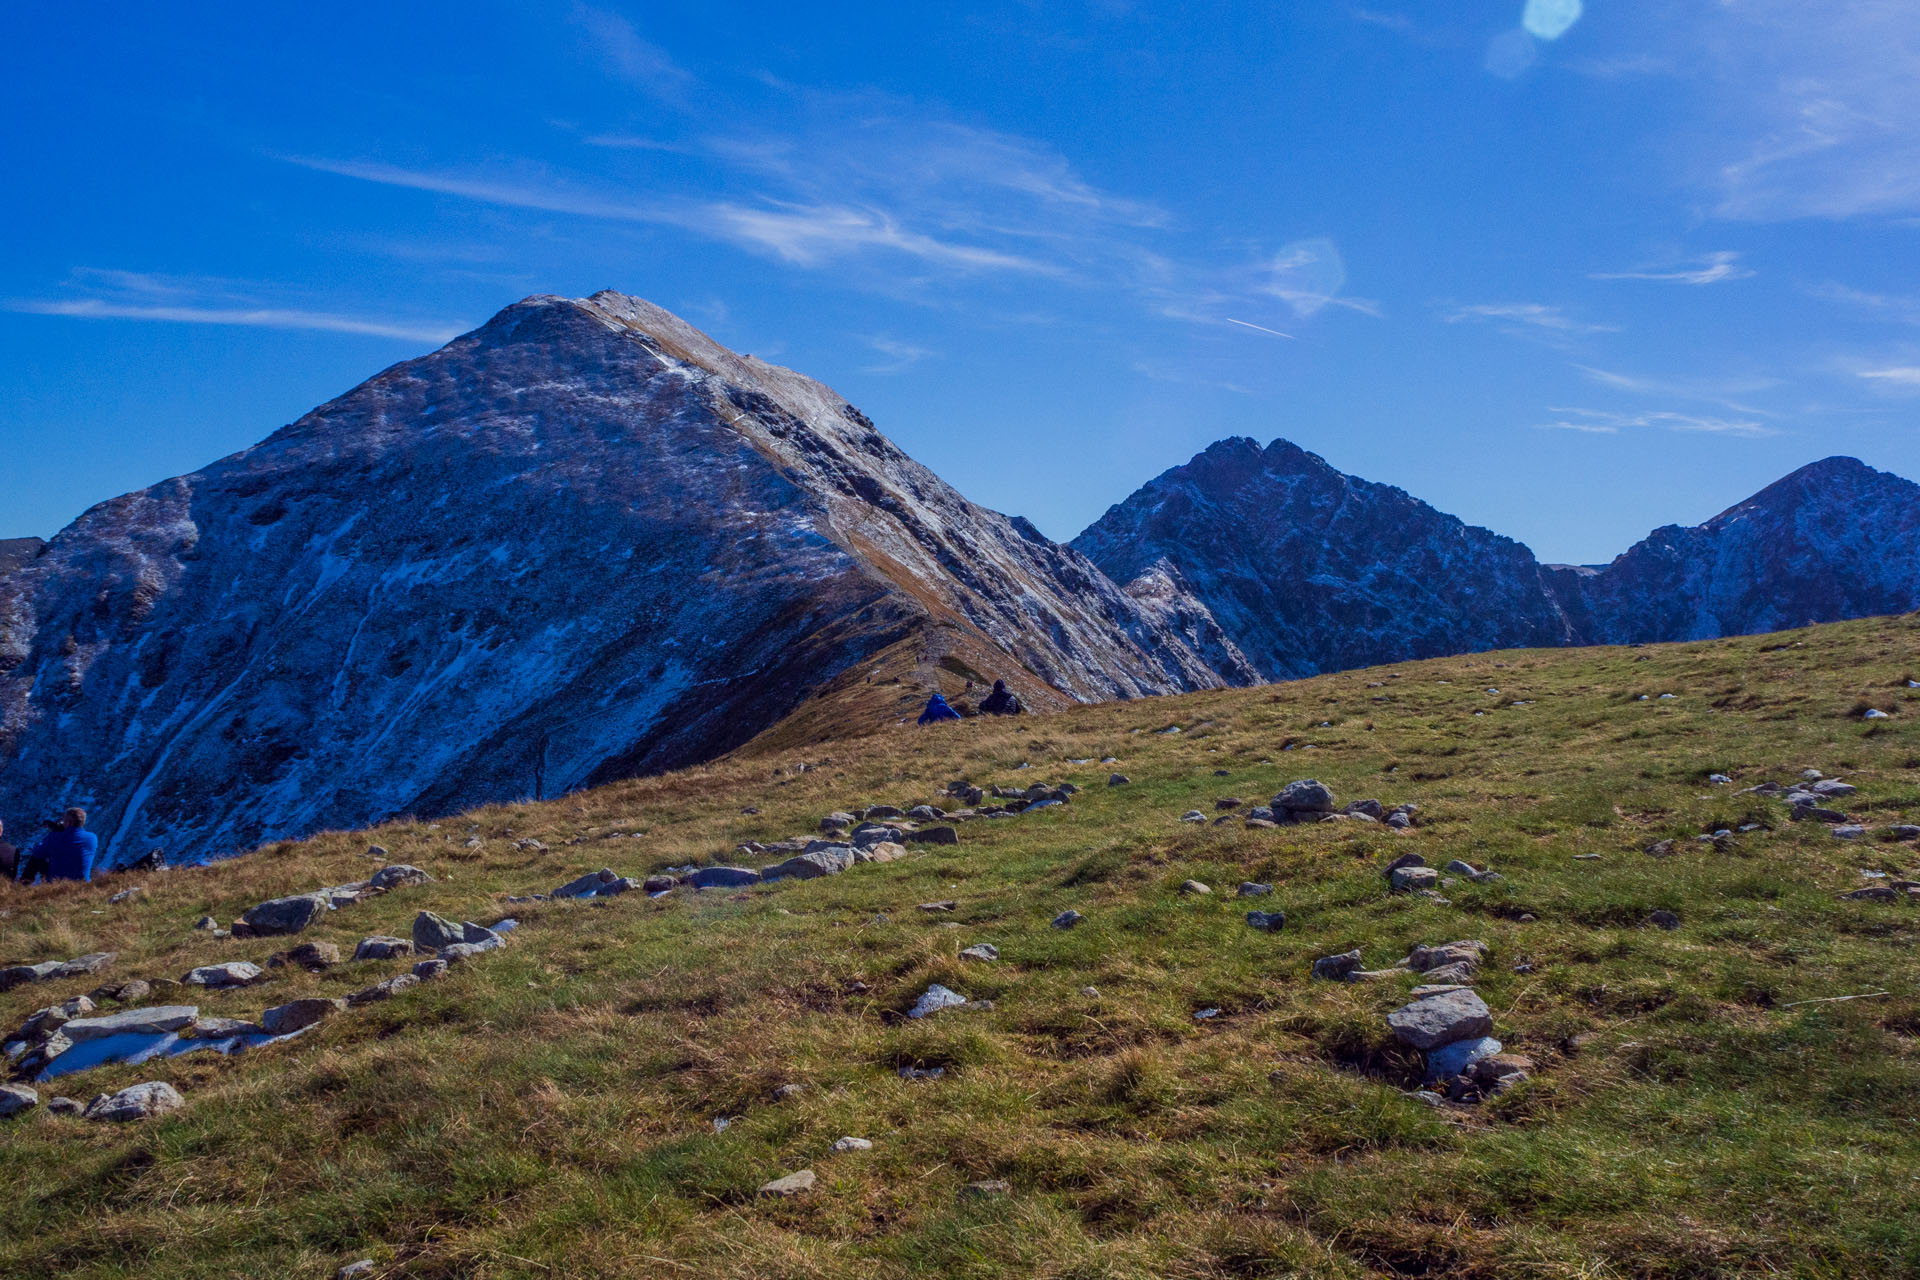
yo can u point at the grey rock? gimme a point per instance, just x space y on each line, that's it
64 1107
723 877
844 1145
355 1270
234 973
137 1102
458 952
1404 860
132 991
1338 968
1254 889
382 947
1267 921
586 886
991 1189
983 951
1848 832
1410 879
308 955
398 876
948 904
126 895
808 866
1193 815
1442 1019
82 966
925 813
428 970
287 915
1194 887
1308 795
791 1185
934 999
432 932
1901 832
206 922
385 989
1663 920
154 1020
1367 809
1067 919
837 822
1118 780
297 1015
876 811
1832 788
206 1028
934 835
1467 951
16 1098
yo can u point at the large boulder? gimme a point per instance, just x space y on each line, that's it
1307 796
287 915
137 1102
1441 1020
432 932
15 1098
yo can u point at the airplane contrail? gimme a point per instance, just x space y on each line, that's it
1262 328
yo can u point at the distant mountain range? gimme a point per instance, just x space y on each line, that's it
586 542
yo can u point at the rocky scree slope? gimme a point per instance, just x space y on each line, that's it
581 542
1307 569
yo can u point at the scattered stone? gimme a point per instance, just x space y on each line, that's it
1452 1059
723 877
1267 921
1719 779
398 876
132 991
297 1015
935 907
837 822
1367 809
791 1185
1067 919
64 1107
935 998
1428 989
136 1102
1193 815
1340 968
1440 1020
1901 832
432 932
1664 920
1091 993
881 811
206 922
1874 713
1468 952
385 989
1194 887
843 1145
934 835
428 970
286 915
355 1270
982 951
788 1092
1850 831
234 973
1409 879
308 955
126 895
1404 860
1253 889
809 866
459 952
1118 780
382 947
16 1098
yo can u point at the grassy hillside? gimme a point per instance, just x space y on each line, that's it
549 1110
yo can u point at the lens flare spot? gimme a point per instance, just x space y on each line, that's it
1550 19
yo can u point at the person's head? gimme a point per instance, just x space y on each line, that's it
999 686
76 818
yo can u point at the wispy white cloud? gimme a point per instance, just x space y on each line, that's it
1714 268
1898 376
1612 422
1520 317
1900 308
628 55
104 294
1717 390
900 356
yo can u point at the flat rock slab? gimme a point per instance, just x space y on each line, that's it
398 876
934 999
1441 1020
234 973
809 866
723 877
157 1020
288 915
297 1015
432 932
381 947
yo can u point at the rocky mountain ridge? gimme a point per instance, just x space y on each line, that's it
1307 569
580 543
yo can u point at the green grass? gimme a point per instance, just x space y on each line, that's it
549 1110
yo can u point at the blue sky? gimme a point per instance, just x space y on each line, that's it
1570 275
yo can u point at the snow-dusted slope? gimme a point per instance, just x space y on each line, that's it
1309 570
581 542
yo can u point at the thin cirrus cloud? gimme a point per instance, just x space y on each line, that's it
1902 377
1721 391
808 235
1538 318
1612 422
899 356
105 294
1714 268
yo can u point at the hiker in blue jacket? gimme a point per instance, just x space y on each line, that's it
65 853
937 709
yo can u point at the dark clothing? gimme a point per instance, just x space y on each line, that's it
9 859
1000 702
937 709
63 854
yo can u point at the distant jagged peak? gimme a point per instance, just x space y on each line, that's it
1836 479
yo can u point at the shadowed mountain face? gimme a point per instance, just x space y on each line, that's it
1836 539
1307 569
579 543
15 552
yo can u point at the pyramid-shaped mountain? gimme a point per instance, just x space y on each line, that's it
583 542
